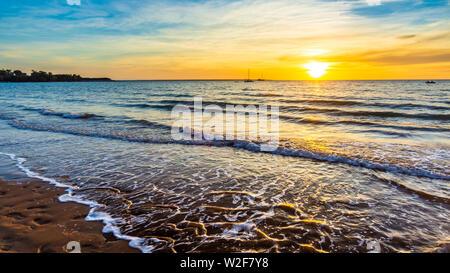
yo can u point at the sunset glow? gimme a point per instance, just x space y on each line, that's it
316 70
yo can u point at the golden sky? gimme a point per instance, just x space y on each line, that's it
279 40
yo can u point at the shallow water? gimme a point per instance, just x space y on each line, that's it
360 163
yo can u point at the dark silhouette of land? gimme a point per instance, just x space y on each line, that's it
7 75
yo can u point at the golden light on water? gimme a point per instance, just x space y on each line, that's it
316 69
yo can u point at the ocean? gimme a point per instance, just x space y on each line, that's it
361 166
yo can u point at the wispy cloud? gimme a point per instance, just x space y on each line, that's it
373 2
74 2
406 36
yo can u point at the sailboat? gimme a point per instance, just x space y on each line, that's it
262 78
248 78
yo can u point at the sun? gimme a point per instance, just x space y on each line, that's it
316 69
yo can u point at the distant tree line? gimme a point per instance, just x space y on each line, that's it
8 75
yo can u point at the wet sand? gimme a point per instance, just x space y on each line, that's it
32 220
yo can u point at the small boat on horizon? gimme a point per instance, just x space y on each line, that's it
430 82
248 77
262 78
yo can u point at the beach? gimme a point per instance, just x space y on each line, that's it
32 220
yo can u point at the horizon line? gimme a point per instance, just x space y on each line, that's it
256 80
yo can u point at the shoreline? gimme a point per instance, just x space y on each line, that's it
33 220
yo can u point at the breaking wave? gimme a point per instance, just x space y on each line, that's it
68 115
247 145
